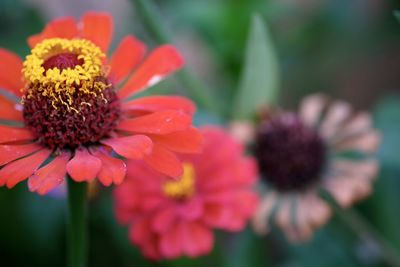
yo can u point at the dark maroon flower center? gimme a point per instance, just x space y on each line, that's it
62 61
84 121
291 155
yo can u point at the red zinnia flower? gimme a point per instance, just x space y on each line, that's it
73 107
169 219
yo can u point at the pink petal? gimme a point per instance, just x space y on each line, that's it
126 201
191 209
197 239
140 232
161 122
83 166
217 215
160 63
138 170
113 170
163 219
21 169
51 175
141 235
131 147
128 54
247 201
170 244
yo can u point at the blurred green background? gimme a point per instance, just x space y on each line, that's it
349 49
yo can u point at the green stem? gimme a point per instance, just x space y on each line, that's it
364 230
152 19
77 210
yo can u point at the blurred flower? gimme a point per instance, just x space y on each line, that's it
323 147
169 219
242 131
76 107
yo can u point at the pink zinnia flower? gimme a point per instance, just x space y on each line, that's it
168 219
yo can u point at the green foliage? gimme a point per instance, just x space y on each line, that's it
383 206
259 82
397 14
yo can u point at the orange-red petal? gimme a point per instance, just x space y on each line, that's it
160 103
98 27
164 161
62 28
131 147
9 109
11 134
187 141
161 122
160 63
51 175
10 72
113 170
21 169
128 54
83 166
9 153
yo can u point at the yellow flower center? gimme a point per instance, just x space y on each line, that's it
184 187
60 69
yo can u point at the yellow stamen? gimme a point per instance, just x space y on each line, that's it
61 84
184 187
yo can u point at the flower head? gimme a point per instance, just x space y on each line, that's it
74 107
170 218
324 147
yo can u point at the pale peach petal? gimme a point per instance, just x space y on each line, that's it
336 115
347 189
311 108
243 131
284 218
261 218
311 212
318 211
359 124
339 191
367 142
362 121
302 230
366 169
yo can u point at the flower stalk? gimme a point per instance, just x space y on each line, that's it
364 230
77 220
152 19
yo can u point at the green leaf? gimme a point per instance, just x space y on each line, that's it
397 14
260 77
384 202
386 113
247 249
